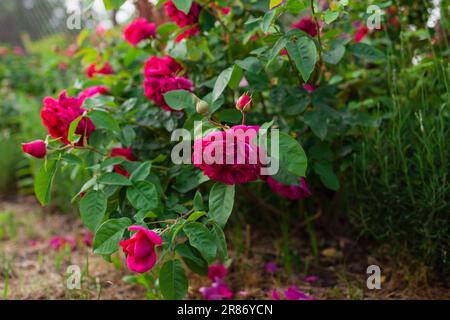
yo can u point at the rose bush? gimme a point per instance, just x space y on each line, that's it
215 66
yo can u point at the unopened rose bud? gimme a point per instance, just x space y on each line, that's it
202 108
37 148
244 103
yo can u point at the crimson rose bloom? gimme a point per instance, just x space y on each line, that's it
92 91
126 153
290 192
58 114
307 25
161 77
105 69
361 33
184 20
140 29
37 148
140 249
229 156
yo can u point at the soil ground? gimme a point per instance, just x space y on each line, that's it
31 269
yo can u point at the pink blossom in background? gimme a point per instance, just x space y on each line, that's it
308 87
139 30
237 145
93 70
58 242
4 51
307 25
18 51
217 291
127 154
92 91
275 294
88 238
217 272
184 20
293 192
361 33
100 30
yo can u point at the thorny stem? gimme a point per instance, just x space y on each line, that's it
300 81
217 124
318 29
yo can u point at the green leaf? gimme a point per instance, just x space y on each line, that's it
113 4
327 175
172 280
71 136
192 258
142 172
222 82
114 179
304 54
221 243
330 16
367 52
143 195
92 209
198 201
267 21
236 77
166 29
317 121
334 55
275 3
292 156
183 5
108 235
196 215
221 201
180 100
43 181
103 120
201 238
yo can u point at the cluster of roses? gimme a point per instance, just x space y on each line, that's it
161 75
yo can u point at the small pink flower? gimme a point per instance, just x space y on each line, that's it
37 148
100 30
275 294
18 51
88 238
218 291
140 249
243 294
217 272
293 293
271 267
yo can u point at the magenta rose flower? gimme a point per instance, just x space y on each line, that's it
290 192
140 249
217 272
184 20
126 153
138 30
229 156
244 103
93 70
307 25
161 76
92 91
37 148
58 114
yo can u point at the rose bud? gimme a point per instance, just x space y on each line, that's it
202 107
244 103
37 148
